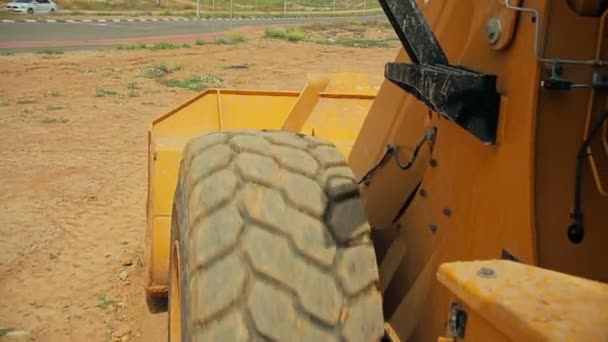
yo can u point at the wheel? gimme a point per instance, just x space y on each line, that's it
270 241
30 11
52 10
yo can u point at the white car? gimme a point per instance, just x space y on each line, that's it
32 6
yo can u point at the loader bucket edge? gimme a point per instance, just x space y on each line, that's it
331 107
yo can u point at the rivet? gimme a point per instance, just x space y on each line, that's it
423 192
433 162
433 228
486 272
493 31
447 211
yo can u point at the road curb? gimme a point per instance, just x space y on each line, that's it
131 20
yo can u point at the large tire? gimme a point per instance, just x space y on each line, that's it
273 242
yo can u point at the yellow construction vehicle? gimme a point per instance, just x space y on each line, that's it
466 199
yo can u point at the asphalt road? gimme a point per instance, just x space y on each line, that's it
80 34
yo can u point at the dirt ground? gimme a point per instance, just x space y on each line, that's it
73 174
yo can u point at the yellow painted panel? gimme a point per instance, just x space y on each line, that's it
529 303
235 109
168 151
338 120
161 235
353 83
196 116
255 112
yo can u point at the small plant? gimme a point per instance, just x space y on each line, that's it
275 33
132 93
199 42
133 86
4 103
6 331
105 92
234 38
50 51
51 108
158 71
26 101
48 120
195 82
54 93
6 53
239 66
186 46
295 34
292 34
359 43
132 46
164 46
105 302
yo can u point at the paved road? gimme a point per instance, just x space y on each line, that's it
30 35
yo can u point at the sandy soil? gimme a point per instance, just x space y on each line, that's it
73 175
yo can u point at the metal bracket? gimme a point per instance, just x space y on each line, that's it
465 96
458 321
506 255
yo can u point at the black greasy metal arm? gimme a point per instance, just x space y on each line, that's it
467 97
413 31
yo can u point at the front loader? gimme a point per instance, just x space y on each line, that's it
465 199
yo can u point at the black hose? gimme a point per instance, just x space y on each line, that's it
393 151
576 231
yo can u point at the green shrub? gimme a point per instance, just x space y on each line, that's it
295 35
234 38
275 33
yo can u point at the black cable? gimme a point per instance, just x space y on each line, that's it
576 231
393 150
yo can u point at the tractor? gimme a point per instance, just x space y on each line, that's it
466 199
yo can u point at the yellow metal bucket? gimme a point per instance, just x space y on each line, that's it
330 107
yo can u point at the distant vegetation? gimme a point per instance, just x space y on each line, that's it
50 51
195 82
188 7
233 38
292 34
346 33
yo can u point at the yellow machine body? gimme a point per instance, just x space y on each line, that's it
462 200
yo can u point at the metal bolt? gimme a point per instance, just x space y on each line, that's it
493 31
447 211
433 228
423 192
486 272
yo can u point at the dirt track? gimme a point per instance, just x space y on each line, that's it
73 175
